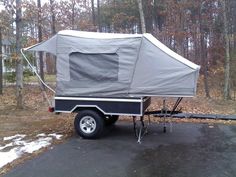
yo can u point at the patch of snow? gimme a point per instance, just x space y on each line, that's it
36 145
19 142
13 137
7 145
41 134
57 136
211 126
9 156
19 146
17 139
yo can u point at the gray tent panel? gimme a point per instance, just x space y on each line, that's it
158 73
85 66
100 64
49 46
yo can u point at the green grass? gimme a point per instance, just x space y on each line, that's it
48 78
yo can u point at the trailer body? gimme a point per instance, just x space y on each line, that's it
107 106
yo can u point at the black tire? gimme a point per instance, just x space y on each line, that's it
110 120
89 124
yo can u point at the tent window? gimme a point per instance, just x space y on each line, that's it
96 67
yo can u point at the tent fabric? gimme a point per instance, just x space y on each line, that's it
118 65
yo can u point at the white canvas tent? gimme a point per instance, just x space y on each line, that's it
118 65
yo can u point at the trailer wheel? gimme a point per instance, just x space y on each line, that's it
110 120
89 124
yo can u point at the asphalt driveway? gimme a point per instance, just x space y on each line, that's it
190 150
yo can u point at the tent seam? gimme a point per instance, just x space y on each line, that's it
135 64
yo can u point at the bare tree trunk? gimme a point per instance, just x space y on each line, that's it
52 59
227 52
142 20
73 15
19 65
147 7
203 55
181 27
93 13
40 38
1 74
53 18
50 63
205 65
99 18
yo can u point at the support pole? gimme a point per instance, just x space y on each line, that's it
140 130
164 112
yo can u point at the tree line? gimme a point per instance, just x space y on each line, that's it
201 30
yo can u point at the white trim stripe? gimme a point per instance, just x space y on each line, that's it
99 99
96 35
95 106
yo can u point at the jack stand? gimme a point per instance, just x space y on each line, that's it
149 122
164 112
171 126
139 131
134 125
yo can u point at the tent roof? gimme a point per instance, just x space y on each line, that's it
149 37
96 35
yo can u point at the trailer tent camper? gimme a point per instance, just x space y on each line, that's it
106 74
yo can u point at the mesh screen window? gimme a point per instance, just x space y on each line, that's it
96 67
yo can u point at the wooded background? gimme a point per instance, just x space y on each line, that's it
203 31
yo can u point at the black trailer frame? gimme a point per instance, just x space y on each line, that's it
94 113
107 106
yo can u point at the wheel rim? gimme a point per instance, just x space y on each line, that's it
87 124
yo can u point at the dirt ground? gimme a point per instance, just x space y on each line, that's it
31 121
35 118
